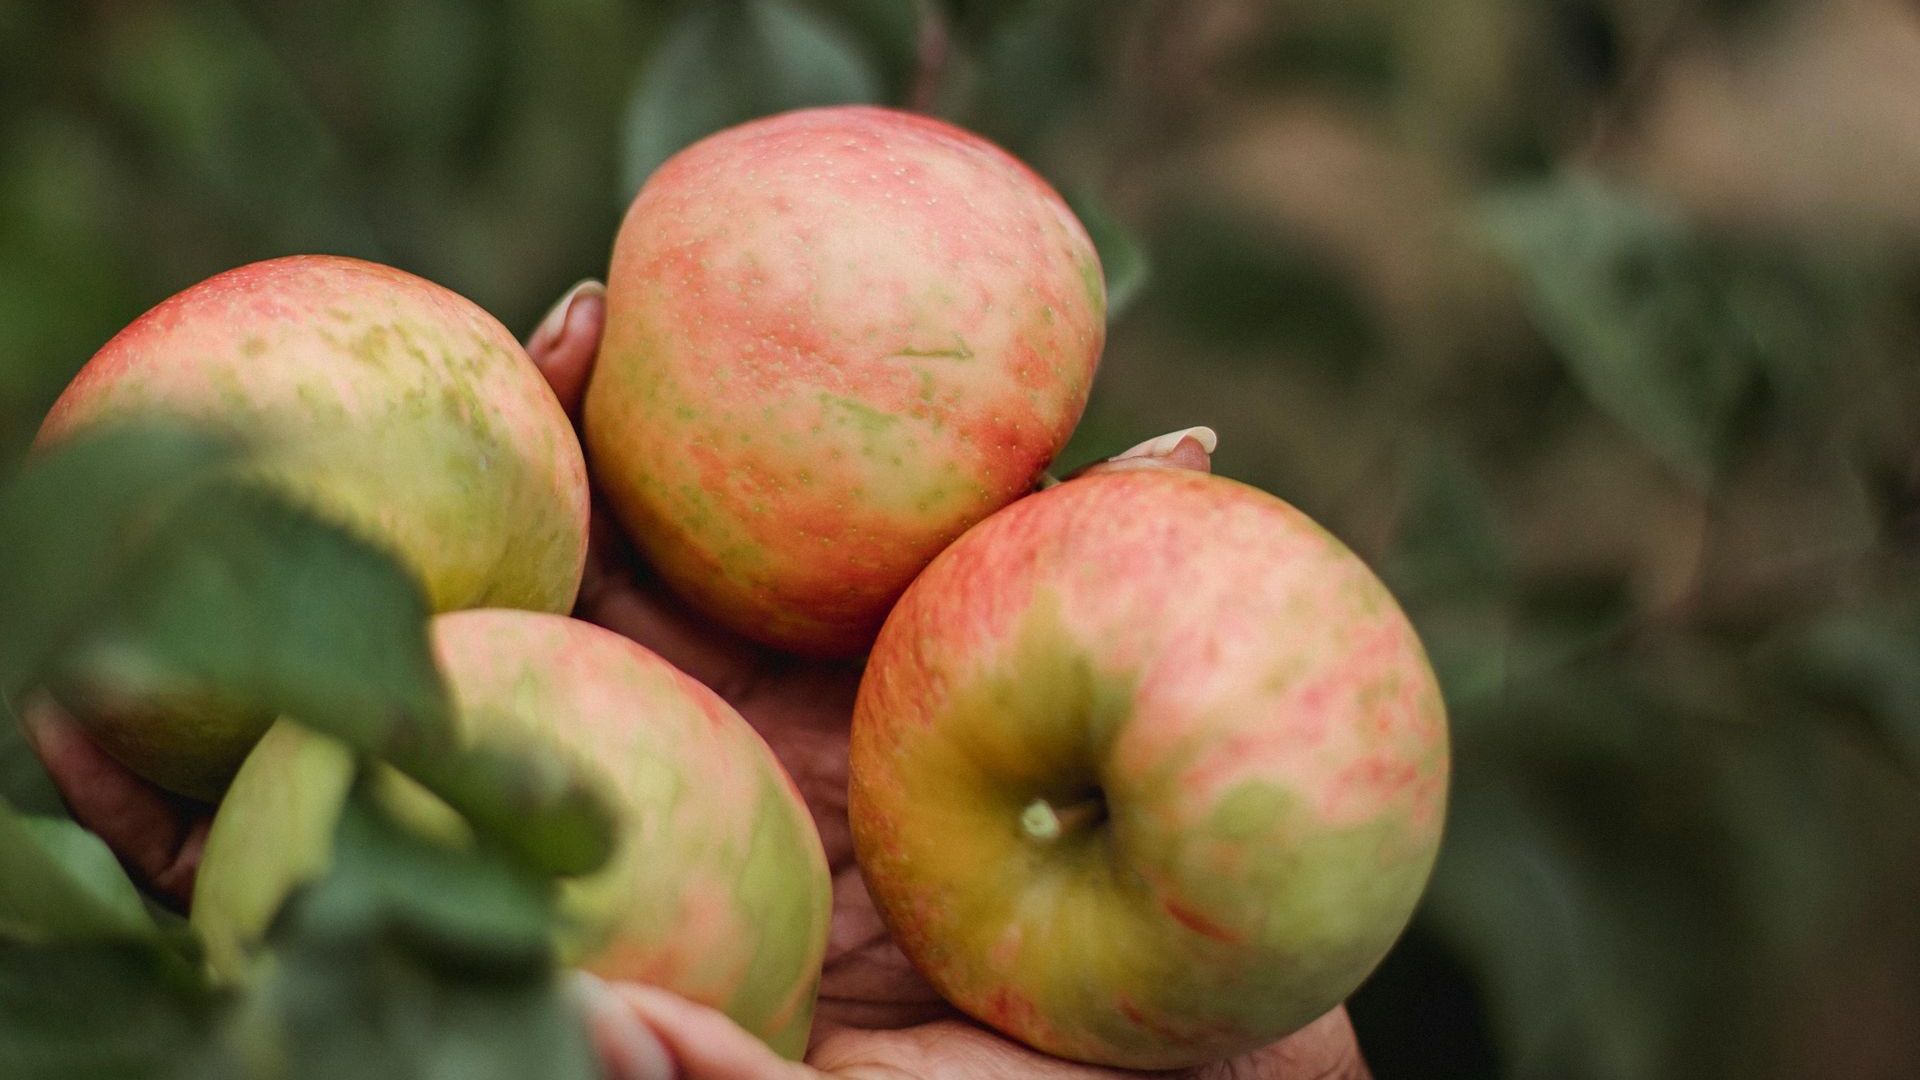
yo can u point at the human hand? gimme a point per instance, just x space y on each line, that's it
876 1016
157 835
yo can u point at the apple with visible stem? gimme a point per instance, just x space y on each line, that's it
718 887
1148 770
376 397
835 339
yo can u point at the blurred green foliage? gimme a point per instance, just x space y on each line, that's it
1593 324
141 552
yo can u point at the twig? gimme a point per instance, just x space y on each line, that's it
1617 115
930 61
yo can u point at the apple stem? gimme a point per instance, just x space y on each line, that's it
1044 822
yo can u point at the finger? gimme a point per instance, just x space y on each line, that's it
175 880
564 344
960 1050
943 1050
157 836
618 592
1326 1049
702 1043
628 1049
1191 449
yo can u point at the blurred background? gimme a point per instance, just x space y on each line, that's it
1593 324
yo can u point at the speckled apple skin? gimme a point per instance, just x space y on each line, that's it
836 338
1250 703
379 398
717 890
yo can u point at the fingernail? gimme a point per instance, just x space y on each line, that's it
44 723
554 324
1165 444
628 1048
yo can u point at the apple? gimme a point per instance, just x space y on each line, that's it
835 339
381 399
718 888
1148 770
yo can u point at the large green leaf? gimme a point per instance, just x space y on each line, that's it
1667 329
91 984
140 558
102 1011
270 608
469 908
72 523
409 960
58 882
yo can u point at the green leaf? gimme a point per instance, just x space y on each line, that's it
252 602
468 909
1638 308
260 602
58 882
1123 256
1868 661
1034 64
1658 842
410 960
534 805
1587 909
138 559
727 62
895 35
72 523
99 1011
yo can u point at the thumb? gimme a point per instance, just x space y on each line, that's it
1190 449
565 343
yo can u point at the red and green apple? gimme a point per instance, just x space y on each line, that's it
718 887
835 339
378 398
1148 770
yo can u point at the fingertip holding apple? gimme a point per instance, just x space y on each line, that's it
1148 770
835 339
565 343
628 1048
